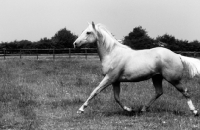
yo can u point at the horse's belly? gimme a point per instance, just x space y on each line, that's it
138 69
135 77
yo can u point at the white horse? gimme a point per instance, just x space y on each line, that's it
123 64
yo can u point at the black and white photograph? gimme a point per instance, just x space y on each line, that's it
99 65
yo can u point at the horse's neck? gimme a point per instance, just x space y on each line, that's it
105 47
101 51
106 44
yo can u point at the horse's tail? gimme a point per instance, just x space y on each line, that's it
192 64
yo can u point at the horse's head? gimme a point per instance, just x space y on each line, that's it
88 36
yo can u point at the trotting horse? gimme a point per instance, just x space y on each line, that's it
123 64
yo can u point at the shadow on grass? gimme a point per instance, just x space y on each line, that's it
166 110
121 113
152 110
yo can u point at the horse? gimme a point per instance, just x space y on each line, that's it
120 63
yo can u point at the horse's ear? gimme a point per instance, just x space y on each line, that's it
93 25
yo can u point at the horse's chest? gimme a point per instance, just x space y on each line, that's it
111 66
106 68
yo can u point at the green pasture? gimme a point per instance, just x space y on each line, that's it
45 95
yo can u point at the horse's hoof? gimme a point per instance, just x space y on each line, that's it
144 109
196 113
127 109
80 112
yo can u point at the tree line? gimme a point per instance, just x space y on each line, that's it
62 39
138 38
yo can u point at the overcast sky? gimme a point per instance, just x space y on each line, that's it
36 19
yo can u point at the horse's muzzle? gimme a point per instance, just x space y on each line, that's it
75 44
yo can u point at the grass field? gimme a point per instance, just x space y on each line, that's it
45 95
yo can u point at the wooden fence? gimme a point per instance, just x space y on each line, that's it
67 52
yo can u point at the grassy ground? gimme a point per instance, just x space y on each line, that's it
45 95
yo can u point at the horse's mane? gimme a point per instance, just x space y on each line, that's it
115 41
103 27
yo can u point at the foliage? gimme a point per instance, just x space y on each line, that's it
139 39
178 45
136 39
44 43
62 39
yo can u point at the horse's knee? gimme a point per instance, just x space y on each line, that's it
186 93
182 90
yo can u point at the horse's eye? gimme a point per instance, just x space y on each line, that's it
88 33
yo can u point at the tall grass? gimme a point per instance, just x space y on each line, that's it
45 94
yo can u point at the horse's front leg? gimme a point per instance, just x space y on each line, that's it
103 84
116 90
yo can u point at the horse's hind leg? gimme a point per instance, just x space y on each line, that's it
187 96
157 82
116 90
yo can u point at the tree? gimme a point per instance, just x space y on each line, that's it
195 45
174 44
44 43
139 39
63 39
170 41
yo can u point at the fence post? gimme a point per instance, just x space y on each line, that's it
69 53
20 53
4 53
54 54
85 53
37 53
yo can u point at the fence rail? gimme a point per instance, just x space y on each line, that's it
67 52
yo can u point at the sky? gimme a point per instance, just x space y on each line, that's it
35 19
